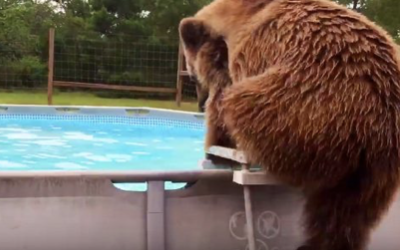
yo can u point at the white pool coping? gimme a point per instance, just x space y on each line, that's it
101 110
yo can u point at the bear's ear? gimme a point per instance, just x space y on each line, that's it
193 33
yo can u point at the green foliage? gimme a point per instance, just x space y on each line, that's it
165 15
129 42
385 13
30 71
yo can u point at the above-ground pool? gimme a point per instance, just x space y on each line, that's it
87 138
96 215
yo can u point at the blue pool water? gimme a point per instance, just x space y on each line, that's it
99 143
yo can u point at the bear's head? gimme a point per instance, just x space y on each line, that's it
193 34
227 17
208 34
205 52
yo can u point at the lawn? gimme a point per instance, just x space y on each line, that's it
79 98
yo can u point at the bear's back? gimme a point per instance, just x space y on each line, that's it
328 88
313 35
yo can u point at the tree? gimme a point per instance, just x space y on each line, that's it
384 12
112 41
23 26
165 15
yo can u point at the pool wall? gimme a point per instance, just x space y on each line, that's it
83 210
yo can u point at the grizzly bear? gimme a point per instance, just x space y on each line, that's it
315 100
201 101
206 61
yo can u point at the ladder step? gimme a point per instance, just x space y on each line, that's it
254 178
228 153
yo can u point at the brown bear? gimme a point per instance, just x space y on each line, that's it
207 61
201 101
315 100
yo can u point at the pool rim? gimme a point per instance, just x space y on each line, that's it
123 176
99 110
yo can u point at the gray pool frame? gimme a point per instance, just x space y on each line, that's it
83 210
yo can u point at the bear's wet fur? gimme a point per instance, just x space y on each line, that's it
207 61
315 100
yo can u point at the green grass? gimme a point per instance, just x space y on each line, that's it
79 98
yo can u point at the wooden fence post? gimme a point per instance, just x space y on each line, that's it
50 66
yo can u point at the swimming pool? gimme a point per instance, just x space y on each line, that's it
37 138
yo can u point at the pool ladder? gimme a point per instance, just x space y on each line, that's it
244 177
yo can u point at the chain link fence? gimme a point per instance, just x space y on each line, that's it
134 67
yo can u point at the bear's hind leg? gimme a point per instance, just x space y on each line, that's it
342 218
